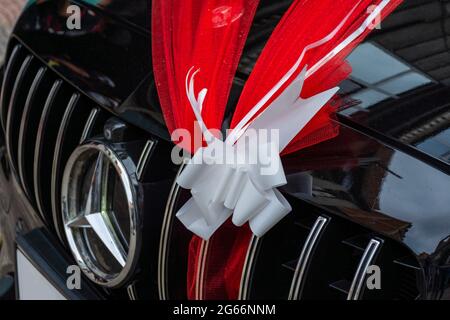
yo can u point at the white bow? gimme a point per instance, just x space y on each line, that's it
243 190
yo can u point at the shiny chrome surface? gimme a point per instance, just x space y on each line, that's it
200 272
132 294
94 214
144 159
14 95
89 124
56 160
367 259
165 233
39 144
248 268
23 127
305 255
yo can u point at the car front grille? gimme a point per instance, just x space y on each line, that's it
44 119
327 257
310 255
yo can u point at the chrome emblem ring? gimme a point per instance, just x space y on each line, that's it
100 215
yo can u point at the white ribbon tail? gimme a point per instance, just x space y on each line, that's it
197 102
276 210
192 172
192 220
251 201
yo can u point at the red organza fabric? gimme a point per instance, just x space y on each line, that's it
206 35
304 23
210 35
222 272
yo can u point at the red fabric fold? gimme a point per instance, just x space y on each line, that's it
206 35
304 23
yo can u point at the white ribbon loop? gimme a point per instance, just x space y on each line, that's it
219 190
234 189
276 210
250 205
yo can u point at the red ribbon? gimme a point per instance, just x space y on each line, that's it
207 35
210 35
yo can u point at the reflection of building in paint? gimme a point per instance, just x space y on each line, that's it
381 75
356 192
399 84
341 196
433 136
387 225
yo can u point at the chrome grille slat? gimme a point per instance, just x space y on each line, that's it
200 272
132 293
304 259
23 127
143 160
57 160
44 120
12 110
6 81
356 288
164 239
248 268
39 144
89 126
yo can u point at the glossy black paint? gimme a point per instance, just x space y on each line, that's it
366 175
136 15
380 188
107 60
399 86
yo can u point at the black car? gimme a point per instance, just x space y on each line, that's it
87 193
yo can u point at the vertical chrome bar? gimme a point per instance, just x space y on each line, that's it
356 288
23 125
305 257
57 161
248 268
164 238
200 278
132 294
89 124
144 158
39 144
14 95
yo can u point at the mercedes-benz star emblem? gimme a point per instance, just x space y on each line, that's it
99 214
